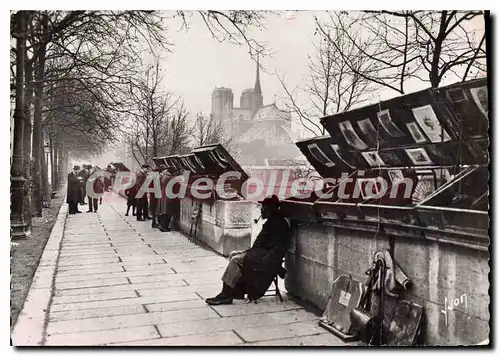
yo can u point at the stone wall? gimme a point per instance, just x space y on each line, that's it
224 226
320 252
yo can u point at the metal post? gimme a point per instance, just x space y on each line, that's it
17 224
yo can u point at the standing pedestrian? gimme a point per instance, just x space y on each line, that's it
131 201
98 189
83 175
73 191
169 202
142 200
153 199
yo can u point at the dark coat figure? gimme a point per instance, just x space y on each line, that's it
263 261
73 191
131 201
252 271
84 175
168 205
153 202
142 201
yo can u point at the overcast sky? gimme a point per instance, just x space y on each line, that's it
200 63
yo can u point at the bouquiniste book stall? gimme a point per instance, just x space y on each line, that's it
417 162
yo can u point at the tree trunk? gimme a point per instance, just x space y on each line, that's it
27 144
17 223
52 165
37 123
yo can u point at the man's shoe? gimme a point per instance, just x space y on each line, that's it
140 219
126 214
78 212
89 211
219 300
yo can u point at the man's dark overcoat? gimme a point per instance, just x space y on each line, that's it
73 189
263 260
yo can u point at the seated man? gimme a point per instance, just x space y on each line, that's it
252 271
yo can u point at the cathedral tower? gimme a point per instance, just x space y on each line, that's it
222 108
258 99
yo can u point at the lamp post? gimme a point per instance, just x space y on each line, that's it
17 224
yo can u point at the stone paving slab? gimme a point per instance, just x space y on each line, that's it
232 323
135 300
225 338
96 338
107 279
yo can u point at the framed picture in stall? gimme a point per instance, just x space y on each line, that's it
418 156
415 132
430 124
480 96
336 149
350 136
319 155
373 159
384 117
395 175
370 132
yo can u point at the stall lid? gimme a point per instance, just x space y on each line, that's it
158 161
217 161
191 164
428 127
120 166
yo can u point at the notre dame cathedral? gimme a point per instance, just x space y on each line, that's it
261 133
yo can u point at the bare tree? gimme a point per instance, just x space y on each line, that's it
207 130
332 85
411 45
231 26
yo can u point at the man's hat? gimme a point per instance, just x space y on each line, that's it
145 166
272 200
76 167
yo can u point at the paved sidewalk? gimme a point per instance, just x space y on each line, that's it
111 280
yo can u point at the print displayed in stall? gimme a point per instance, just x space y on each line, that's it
363 186
418 156
373 159
415 132
319 155
395 175
480 96
351 136
369 131
429 122
336 149
384 117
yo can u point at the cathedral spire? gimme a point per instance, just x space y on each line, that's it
257 88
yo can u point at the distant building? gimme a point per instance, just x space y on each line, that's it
259 131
